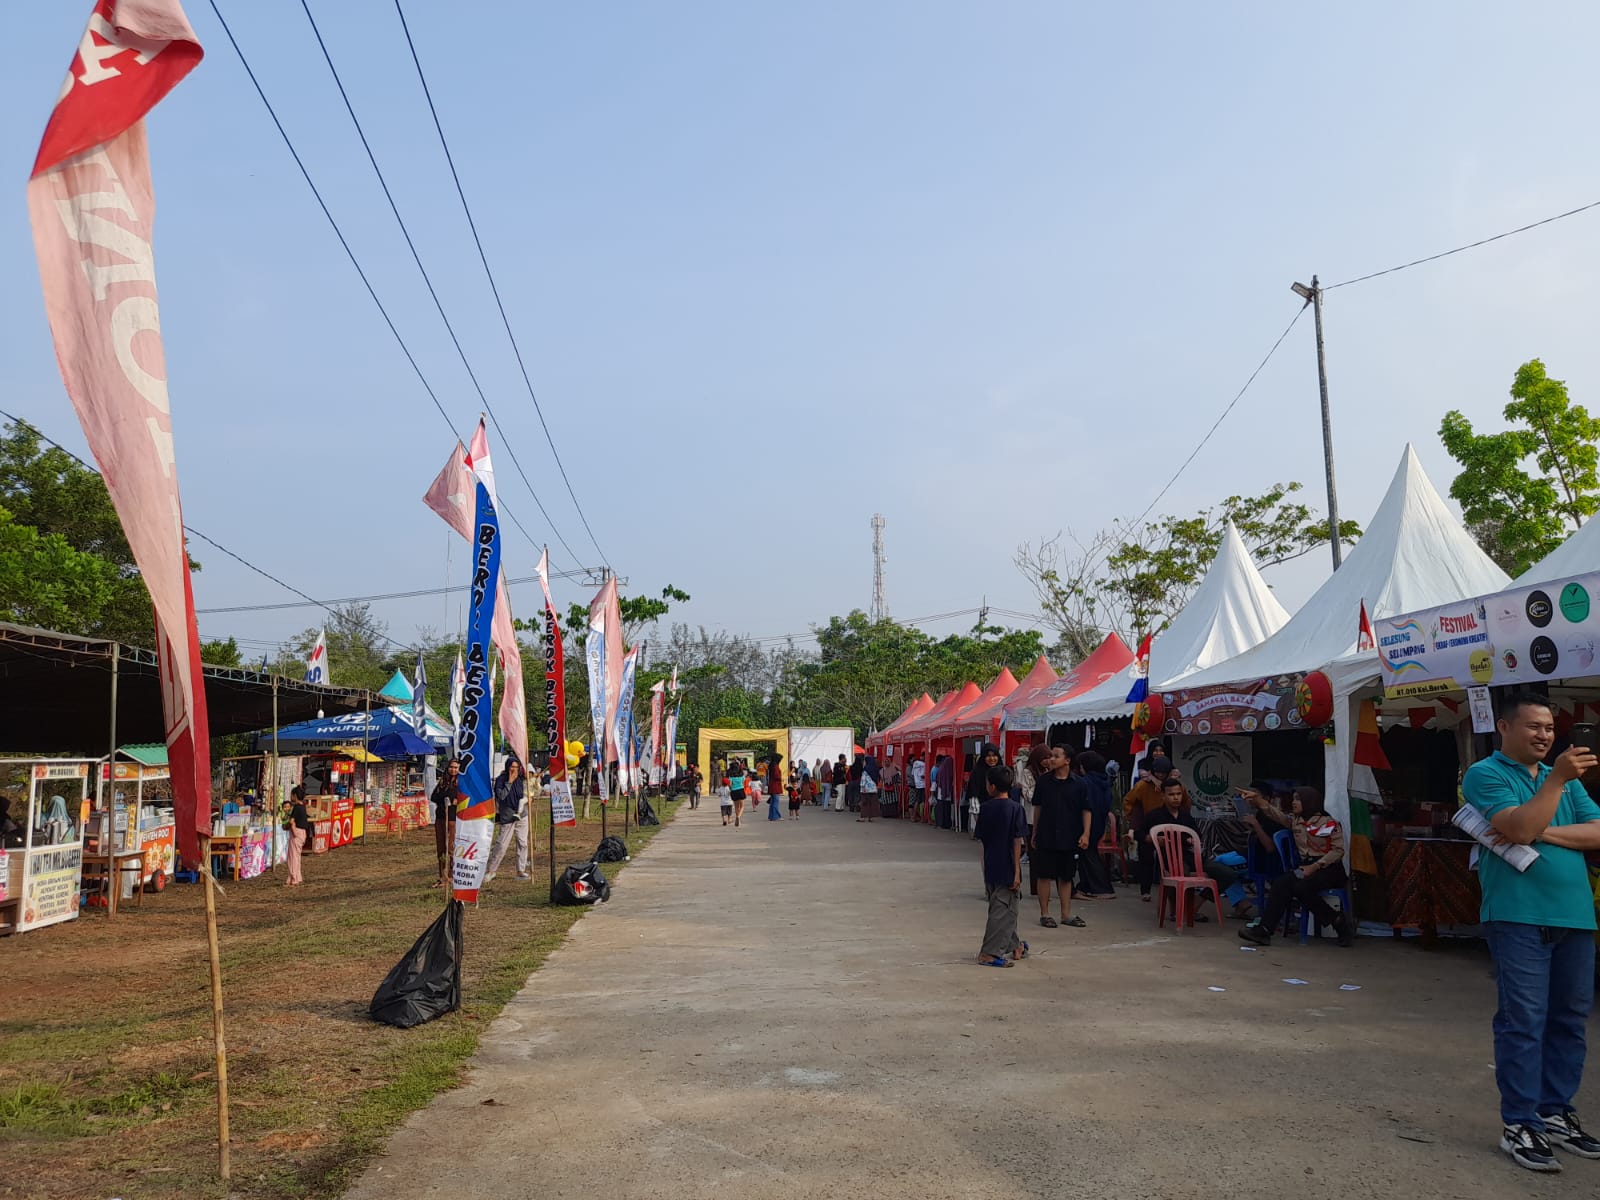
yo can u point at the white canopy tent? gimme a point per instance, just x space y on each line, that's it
1415 554
1578 555
1232 610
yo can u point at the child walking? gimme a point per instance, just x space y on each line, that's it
1001 830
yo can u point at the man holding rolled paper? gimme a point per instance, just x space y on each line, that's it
1540 924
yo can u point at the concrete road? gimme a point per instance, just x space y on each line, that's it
791 1009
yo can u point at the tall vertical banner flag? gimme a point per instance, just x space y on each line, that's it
622 730
475 803
317 660
595 657
451 495
92 208
419 699
555 705
611 629
657 704
458 686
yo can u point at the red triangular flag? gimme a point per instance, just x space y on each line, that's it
1364 638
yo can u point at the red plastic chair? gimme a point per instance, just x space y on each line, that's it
1111 847
1172 855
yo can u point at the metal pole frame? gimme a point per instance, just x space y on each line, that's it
1327 428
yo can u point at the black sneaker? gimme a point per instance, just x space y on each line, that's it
1257 933
1528 1148
1563 1132
1347 929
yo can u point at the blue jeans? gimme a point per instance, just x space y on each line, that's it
1545 978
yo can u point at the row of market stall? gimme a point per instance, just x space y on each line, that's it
1384 722
78 827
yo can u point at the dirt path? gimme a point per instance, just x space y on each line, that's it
788 1010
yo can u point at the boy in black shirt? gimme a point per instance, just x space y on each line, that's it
1001 831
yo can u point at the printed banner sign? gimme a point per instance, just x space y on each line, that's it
1214 768
1525 635
555 681
52 891
1267 704
561 810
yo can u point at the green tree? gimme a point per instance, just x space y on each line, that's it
360 654
1134 581
44 581
1518 514
221 652
49 490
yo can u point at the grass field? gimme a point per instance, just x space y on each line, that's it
106 1073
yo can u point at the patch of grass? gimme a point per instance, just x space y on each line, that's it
316 1086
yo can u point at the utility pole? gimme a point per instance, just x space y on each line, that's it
1313 296
880 610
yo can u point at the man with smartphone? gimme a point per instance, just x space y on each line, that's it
1541 926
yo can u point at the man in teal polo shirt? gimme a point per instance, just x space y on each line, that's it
1541 930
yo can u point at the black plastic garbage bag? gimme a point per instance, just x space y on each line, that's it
426 983
581 885
611 849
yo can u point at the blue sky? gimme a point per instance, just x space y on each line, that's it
990 270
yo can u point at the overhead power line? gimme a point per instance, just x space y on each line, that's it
472 224
427 280
1417 262
355 262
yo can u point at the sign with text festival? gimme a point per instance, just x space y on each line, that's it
1525 635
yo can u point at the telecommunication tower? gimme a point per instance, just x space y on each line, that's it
880 610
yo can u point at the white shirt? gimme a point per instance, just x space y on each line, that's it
919 774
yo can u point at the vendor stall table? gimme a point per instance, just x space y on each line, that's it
107 870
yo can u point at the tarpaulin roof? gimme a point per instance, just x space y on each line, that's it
55 694
398 688
920 728
326 733
982 716
1414 554
1026 711
1040 676
149 754
1232 610
1578 555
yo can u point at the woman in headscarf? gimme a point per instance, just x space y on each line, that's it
944 780
869 783
977 789
774 788
510 820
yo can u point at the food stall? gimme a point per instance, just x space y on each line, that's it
41 882
132 813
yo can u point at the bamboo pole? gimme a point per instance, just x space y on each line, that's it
221 1048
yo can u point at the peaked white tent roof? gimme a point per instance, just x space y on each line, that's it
1578 555
1231 611
1415 554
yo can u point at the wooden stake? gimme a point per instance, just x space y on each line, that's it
223 1165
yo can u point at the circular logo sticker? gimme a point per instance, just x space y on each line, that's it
1248 724
1575 603
1186 727
1272 720
1204 727
1539 609
1542 654
1580 652
1507 619
1481 664
1510 659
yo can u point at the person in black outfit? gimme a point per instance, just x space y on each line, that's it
1094 879
1061 819
1176 811
444 816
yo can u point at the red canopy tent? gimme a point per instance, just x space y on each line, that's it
1040 677
883 739
981 718
920 733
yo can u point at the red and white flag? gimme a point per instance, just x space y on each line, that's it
1364 637
450 495
93 212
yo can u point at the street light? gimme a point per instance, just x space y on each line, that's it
1313 296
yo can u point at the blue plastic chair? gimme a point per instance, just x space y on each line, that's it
1290 854
1260 870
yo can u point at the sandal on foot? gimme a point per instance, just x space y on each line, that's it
1048 922
1020 952
1076 922
994 962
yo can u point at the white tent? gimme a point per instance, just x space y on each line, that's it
1231 611
1414 554
1578 555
